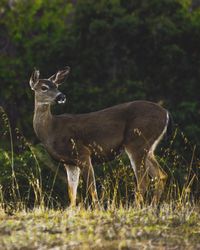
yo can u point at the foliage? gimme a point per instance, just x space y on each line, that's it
118 51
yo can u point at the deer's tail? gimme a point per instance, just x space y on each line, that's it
170 126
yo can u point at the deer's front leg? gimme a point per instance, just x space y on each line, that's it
73 173
89 178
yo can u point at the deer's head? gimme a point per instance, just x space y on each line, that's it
46 90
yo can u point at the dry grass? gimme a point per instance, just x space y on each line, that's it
176 225
177 228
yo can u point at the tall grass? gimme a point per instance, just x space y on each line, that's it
30 179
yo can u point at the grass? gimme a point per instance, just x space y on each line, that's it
102 229
32 215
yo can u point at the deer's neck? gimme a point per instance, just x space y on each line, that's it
42 121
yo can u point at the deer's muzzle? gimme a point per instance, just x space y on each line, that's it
60 98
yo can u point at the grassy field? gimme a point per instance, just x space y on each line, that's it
30 179
169 228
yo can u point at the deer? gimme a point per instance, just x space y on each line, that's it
79 140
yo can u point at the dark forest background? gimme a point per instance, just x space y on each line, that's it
118 51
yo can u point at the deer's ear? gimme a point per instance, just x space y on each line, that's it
34 78
60 76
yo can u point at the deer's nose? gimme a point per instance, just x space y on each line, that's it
60 98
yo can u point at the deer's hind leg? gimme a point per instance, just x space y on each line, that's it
138 159
159 176
155 170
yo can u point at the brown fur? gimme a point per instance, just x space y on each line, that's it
80 139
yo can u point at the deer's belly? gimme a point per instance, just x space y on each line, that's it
69 152
103 153
102 158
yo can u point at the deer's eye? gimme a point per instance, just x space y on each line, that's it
44 88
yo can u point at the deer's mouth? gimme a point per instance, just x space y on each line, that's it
60 99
